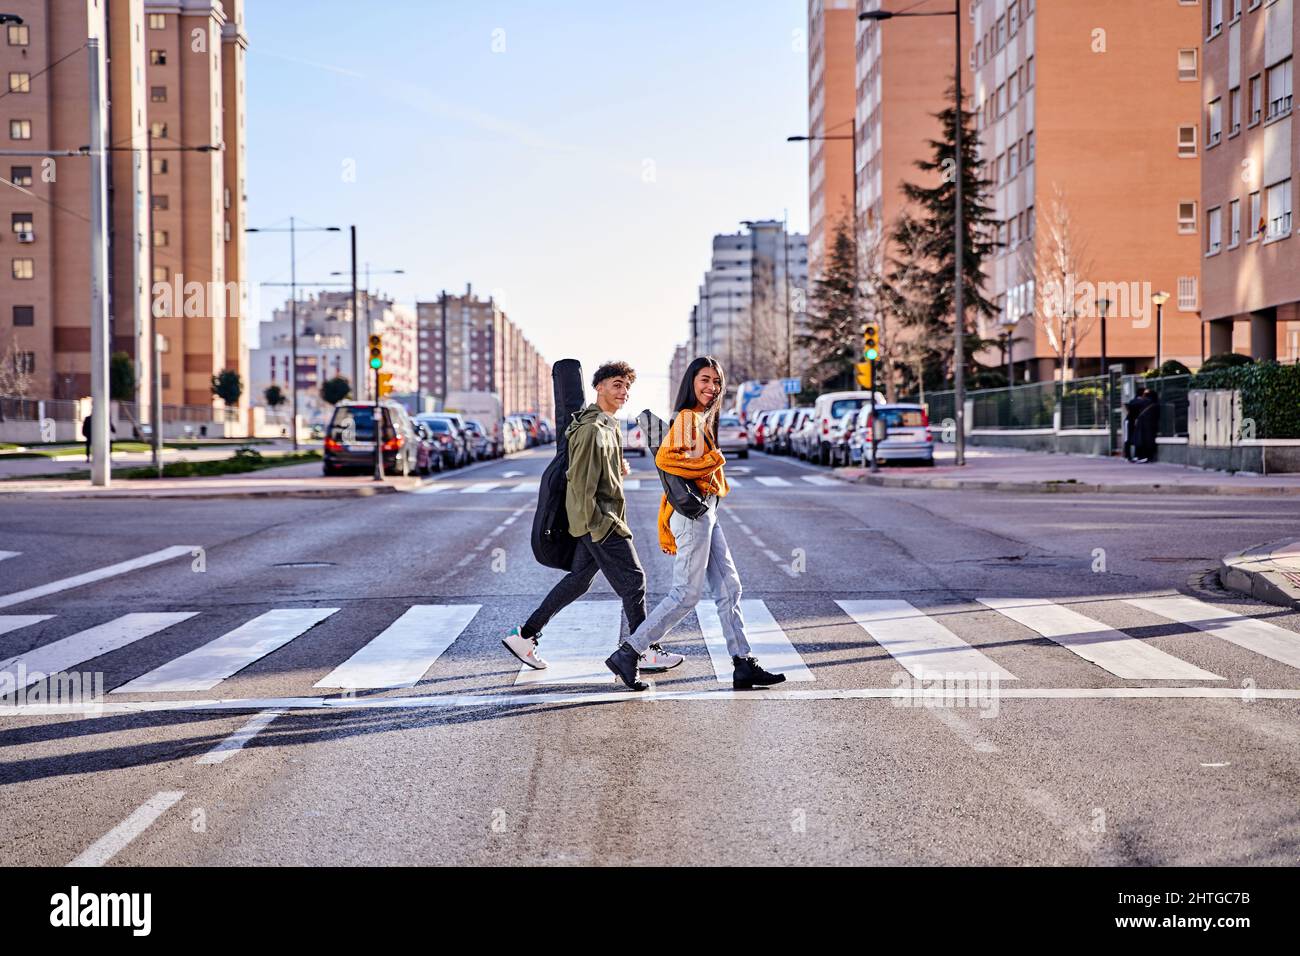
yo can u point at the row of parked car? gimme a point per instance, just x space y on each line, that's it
836 430
423 444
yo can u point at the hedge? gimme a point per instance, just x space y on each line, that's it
1270 395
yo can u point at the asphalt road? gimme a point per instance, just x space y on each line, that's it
1063 762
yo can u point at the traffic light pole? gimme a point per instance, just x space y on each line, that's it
874 467
379 433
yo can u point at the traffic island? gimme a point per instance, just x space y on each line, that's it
1269 572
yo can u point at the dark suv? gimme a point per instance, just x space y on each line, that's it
350 439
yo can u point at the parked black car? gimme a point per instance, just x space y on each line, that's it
480 445
350 439
450 438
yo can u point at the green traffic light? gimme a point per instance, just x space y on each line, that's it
376 363
871 355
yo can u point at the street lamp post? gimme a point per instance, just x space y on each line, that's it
293 230
1159 298
959 306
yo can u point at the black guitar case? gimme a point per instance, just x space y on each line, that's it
553 546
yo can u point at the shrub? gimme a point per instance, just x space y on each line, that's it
1226 360
1270 394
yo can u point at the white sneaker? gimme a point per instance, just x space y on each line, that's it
657 659
524 648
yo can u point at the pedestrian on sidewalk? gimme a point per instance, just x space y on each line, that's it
1132 409
597 513
1148 426
87 429
690 452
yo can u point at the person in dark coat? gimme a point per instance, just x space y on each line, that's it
1148 424
1133 408
86 427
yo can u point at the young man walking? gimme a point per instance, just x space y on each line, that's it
596 510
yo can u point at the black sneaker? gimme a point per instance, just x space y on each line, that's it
748 675
623 662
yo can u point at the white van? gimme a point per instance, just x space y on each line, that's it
829 407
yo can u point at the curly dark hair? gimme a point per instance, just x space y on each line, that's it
613 370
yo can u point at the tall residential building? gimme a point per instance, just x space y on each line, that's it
470 344
45 205
168 215
1088 115
1250 166
753 302
832 26
682 357
195 72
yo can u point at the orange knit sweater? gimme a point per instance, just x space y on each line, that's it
688 453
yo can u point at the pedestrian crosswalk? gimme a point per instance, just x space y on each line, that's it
757 482
986 637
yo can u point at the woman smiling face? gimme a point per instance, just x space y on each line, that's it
708 384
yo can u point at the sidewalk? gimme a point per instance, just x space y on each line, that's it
291 481
1270 572
1008 469
14 464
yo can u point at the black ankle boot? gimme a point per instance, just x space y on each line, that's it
623 662
747 674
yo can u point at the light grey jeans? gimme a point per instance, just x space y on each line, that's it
702 557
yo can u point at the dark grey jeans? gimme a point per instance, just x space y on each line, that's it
616 558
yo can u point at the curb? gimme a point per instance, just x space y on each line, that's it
1257 573
1060 487
360 491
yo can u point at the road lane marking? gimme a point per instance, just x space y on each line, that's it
479 487
509 699
526 486
93 642
1109 649
9 554
116 839
586 632
205 667
735 482
772 481
236 741
1260 637
99 574
401 654
918 642
12 622
767 642
512 474
820 480
431 489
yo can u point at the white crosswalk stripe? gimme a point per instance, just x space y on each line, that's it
431 489
93 642
1112 650
631 484
1260 637
12 622
526 486
820 480
207 666
767 642
405 649
9 554
586 632
480 487
99 574
918 642
772 481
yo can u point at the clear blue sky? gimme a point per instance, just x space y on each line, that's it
525 171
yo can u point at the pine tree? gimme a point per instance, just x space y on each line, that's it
833 333
920 275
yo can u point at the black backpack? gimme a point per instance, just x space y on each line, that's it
553 546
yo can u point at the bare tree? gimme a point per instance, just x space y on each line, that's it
15 379
1058 260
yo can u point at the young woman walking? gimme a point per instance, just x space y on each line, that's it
690 451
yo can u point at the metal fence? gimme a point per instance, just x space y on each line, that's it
60 410
1083 403
32 410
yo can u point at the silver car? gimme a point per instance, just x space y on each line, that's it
733 437
907 435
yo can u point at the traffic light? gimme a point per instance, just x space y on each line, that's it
385 384
864 374
870 342
376 352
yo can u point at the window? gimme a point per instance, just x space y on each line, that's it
1236 9
1256 98
1187 294
1013 162
157 94
1013 20
157 21
1187 140
1002 34
1029 222
20 129
1256 224
158 130
1279 89
21 223
1187 64
160 274
1214 126
24 268
20 175
160 237
1029 73
18 35
25 315
1234 111
1279 210
1213 231
158 57
1002 103
1216 18
20 82
158 202
1029 148
1234 224
159 166
1187 218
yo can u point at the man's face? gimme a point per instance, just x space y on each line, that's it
614 391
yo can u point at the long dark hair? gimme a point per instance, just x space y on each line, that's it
686 394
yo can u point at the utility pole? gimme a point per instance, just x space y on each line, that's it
357 369
100 469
